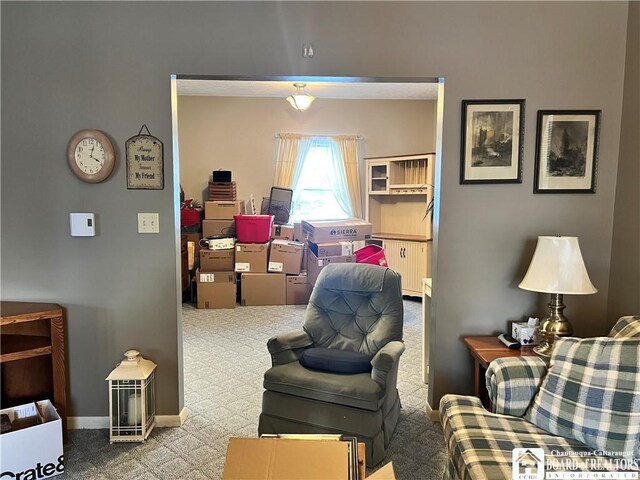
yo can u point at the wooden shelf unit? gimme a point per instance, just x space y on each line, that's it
32 356
399 189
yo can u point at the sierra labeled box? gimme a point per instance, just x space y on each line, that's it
252 257
35 448
217 260
285 257
327 231
298 290
263 289
216 289
223 209
315 264
218 228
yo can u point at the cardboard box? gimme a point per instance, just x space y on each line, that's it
384 473
252 257
297 232
222 209
35 451
285 257
216 289
315 264
333 249
218 228
298 290
217 260
284 459
282 232
263 289
326 231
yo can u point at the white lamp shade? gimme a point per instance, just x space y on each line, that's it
557 267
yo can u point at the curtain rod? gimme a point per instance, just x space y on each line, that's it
280 135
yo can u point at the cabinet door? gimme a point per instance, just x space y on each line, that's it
409 259
378 178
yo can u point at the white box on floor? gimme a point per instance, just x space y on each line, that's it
34 451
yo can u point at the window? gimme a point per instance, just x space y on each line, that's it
315 192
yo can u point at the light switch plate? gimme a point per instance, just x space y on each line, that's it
148 223
82 224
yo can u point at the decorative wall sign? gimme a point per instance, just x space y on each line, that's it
492 140
145 162
566 151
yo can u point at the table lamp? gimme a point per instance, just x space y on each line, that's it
556 268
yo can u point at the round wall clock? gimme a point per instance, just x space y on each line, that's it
91 156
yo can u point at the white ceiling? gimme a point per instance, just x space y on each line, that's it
350 90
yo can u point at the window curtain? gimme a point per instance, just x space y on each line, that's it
345 156
292 150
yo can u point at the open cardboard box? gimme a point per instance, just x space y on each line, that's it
296 459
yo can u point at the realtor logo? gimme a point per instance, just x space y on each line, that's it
528 463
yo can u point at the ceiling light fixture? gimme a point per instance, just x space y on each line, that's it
300 100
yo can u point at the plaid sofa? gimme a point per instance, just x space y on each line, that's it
481 443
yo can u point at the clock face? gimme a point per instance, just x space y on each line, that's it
91 156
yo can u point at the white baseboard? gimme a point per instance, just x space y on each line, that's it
171 420
433 415
87 422
103 422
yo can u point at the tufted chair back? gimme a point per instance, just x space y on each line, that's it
356 307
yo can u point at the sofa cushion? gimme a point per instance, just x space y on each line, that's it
333 360
358 390
626 327
592 394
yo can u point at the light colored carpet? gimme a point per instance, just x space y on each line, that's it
225 357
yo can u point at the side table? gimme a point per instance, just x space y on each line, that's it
32 356
484 350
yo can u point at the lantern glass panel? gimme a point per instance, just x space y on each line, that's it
127 408
150 401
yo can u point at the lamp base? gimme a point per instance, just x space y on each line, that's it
555 325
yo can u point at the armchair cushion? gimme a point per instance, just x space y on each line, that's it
592 394
339 361
356 390
626 327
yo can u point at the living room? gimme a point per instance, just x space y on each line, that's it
108 66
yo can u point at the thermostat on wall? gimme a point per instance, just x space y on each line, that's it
83 224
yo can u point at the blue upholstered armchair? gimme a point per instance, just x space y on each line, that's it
354 308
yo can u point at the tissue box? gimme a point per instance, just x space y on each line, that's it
525 334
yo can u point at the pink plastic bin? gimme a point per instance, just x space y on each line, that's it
253 228
372 254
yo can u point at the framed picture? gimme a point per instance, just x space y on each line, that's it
492 139
566 151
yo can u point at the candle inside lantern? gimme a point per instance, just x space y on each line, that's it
134 413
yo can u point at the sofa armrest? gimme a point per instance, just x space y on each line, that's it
385 362
512 382
286 348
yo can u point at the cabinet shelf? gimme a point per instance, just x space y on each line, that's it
19 347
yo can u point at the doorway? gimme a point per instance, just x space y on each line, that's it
235 130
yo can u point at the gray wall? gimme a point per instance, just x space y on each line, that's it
624 284
67 66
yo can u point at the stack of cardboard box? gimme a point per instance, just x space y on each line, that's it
332 241
215 278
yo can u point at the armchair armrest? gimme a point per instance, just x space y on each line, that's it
385 362
512 382
286 348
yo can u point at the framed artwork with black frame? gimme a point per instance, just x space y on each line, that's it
566 151
492 141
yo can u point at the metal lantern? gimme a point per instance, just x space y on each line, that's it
132 399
